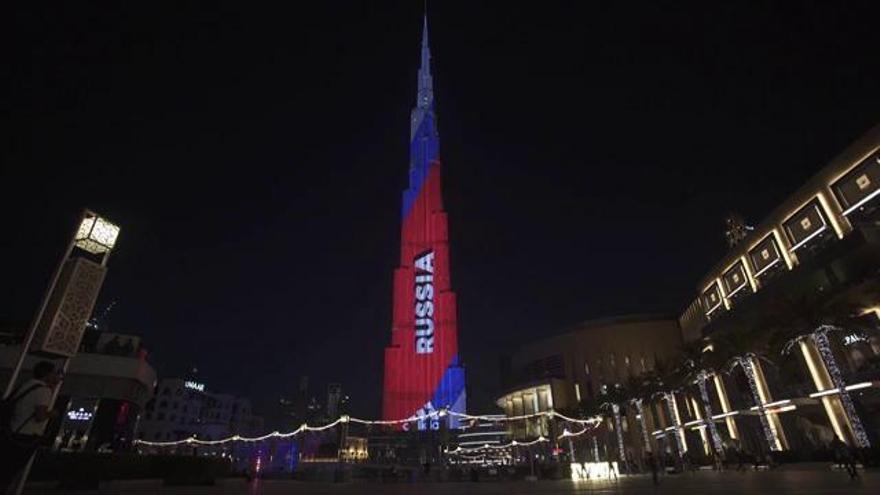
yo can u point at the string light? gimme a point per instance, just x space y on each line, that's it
745 362
702 378
513 443
640 415
349 419
820 337
568 434
615 409
502 419
238 438
669 397
593 420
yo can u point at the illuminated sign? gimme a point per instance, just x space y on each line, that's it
424 291
853 338
593 470
194 385
79 415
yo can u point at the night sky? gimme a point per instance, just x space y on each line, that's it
255 159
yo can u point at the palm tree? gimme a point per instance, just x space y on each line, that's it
809 323
612 400
746 346
700 365
639 387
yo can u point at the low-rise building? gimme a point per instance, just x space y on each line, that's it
183 408
562 372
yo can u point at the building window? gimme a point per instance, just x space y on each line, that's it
644 365
586 368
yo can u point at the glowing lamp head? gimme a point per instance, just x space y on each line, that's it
96 235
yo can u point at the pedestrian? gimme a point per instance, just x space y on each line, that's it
844 457
26 414
652 464
740 459
687 464
611 470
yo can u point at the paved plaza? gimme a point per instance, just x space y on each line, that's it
801 482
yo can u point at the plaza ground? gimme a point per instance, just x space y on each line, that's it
791 480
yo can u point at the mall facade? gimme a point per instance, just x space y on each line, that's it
789 316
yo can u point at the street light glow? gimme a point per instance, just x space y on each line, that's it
96 235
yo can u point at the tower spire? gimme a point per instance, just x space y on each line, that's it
424 108
426 83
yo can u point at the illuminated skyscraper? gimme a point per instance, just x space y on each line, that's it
422 371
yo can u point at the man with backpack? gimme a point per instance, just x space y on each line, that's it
25 416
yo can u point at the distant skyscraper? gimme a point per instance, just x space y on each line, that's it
422 371
334 395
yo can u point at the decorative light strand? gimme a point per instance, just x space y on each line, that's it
640 411
671 407
239 438
502 419
618 425
745 362
593 420
348 419
702 378
513 443
820 337
568 434
496 419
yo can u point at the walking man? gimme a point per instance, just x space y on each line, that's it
844 457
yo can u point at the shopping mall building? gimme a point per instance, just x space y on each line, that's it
793 311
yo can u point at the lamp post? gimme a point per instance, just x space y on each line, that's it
67 304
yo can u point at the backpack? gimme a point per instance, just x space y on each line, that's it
7 408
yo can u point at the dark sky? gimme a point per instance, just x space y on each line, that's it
254 158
